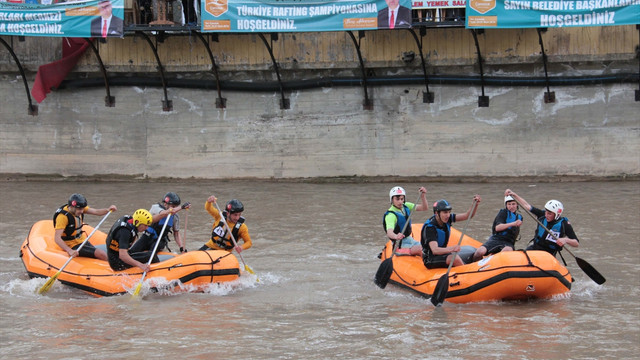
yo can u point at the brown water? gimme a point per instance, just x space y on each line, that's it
315 248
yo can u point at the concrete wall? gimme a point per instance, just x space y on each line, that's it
591 131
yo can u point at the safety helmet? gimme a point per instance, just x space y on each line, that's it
77 200
141 217
396 190
441 205
234 206
171 198
507 199
555 207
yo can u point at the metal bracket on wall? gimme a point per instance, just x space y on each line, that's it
284 102
368 103
549 96
638 56
221 102
32 109
483 101
109 101
427 96
167 105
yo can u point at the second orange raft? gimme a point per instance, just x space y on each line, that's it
512 275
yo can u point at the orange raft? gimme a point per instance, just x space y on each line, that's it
512 275
195 270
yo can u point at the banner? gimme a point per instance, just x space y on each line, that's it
307 16
439 4
83 19
551 13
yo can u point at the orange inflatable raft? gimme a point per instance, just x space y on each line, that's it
191 271
512 275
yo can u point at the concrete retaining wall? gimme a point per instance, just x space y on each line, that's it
591 131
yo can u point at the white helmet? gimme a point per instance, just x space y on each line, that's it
396 190
507 199
555 207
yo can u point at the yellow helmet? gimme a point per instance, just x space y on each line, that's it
141 217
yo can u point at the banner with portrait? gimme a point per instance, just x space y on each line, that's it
82 19
303 16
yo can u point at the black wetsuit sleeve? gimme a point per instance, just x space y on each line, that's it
501 218
537 212
568 231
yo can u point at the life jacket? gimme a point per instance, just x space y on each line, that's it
443 233
544 240
156 228
124 222
219 233
512 231
402 220
70 232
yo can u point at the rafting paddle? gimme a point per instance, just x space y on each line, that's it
235 244
386 267
585 266
52 279
440 291
153 253
186 220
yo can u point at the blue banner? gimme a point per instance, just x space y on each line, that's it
551 13
303 16
83 19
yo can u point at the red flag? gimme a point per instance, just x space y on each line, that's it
51 75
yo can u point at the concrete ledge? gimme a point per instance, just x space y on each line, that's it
322 180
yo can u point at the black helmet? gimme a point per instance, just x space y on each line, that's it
234 206
77 200
441 205
171 198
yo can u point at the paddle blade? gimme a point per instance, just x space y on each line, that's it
247 268
48 284
590 271
138 288
384 273
250 270
440 292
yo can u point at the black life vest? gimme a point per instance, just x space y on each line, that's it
70 232
219 233
113 247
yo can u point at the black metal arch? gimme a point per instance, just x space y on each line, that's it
109 101
427 96
284 102
549 96
221 102
483 101
638 55
167 105
32 109
368 103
